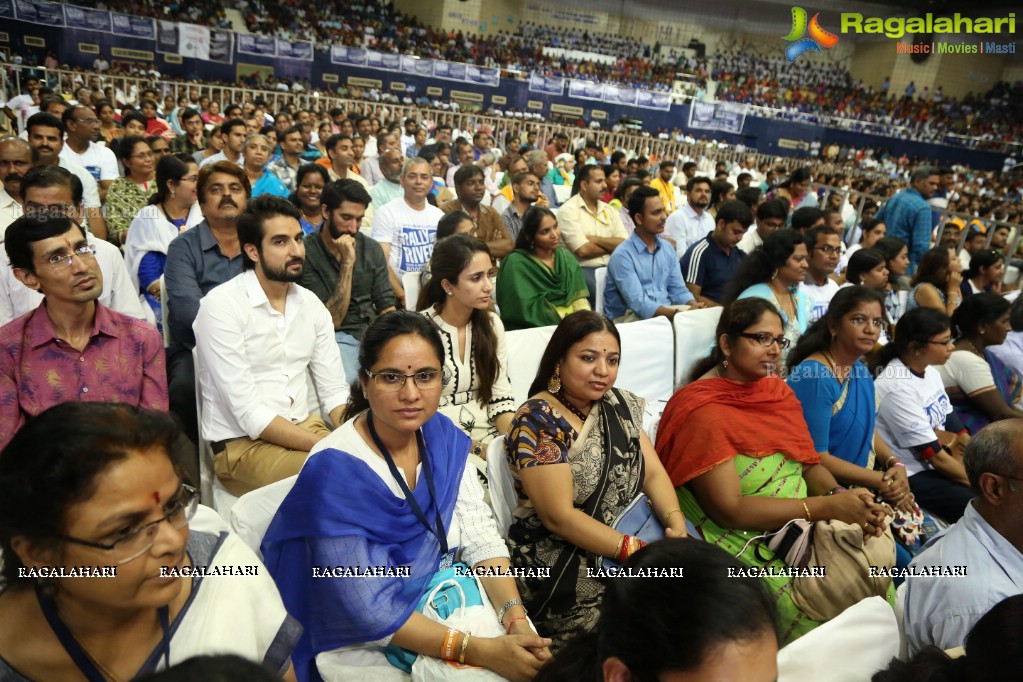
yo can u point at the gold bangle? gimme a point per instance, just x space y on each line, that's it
618 549
807 510
465 645
673 511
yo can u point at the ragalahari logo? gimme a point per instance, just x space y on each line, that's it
819 37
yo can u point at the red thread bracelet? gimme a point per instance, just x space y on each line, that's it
511 622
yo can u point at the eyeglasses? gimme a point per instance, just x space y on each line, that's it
143 155
62 261
765 339
87 121
392 382
136 541
946 342
828 249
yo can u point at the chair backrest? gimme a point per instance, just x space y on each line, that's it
212 493
525 348
164 313
694 339
411 282
501 485
648 358
900 611
600 275
563 193
252 513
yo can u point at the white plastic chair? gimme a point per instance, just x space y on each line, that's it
694 339
563 193
211 491
600 274
252 512
900 614
503 499
648 358
164 313
525 348
411 282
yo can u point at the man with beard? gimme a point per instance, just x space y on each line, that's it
347 270
198 260
71 347
526 187
48 191
691 222
15 160
258 337
389 187
487 223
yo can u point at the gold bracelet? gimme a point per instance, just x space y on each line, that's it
618 549
807 510
673 511
465 645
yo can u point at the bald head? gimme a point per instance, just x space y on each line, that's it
15 161
390 164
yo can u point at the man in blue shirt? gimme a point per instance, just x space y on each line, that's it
977 562
908 215
710 263
643 279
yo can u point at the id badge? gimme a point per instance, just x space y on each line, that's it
447 561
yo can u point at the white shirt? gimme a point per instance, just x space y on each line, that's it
750 241
909 409
254 362
410 233
820 297
97 159
10 210
221 156
16 299
685 228
90 189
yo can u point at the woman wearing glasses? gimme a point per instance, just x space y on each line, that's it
392 490
739 454
912 409
102 488
128 194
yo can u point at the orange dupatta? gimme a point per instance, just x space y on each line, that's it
710 421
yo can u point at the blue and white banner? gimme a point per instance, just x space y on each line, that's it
451 71
617 94
354 56
41 12
547 85
419 67
652 99
7 9
586 90
134 27
262 46
384 61
298 49
167 37
89 19
482 75
221 46
725 116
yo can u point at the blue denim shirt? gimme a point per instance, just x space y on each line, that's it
641 281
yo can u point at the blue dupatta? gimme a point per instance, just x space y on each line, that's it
840 416
340 513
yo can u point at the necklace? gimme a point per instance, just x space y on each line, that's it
973 348
560 395
833 366
98 663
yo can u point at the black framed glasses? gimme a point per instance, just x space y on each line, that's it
136 541
765 339
947 342
395 381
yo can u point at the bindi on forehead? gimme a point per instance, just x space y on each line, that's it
156 497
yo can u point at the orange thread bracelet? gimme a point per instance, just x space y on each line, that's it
508 631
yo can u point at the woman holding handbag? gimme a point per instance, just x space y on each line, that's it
391 491
736 446
579 457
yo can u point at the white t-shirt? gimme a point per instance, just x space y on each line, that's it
410 233
97 159
820 298
909 409
966 373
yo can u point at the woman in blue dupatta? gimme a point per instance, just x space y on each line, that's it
981 387
391 491
836 391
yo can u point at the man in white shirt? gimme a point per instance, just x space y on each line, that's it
771 216
258 338
15 161
46 137
824 251
691 222
82 127
50 189
407 227
233 134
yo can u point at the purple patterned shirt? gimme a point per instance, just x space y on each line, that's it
122 362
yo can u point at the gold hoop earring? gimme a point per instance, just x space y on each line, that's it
554 383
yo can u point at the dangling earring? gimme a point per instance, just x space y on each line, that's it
172 194
724 363
554 383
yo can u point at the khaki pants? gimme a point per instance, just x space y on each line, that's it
630 316
247 464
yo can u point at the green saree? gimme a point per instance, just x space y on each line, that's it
530 294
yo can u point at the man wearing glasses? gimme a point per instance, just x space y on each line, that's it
824 248
943 604
71 347
258 339
50 191
82 127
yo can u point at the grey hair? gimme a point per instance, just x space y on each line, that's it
415 161
535 157
991 451
254 136
922 173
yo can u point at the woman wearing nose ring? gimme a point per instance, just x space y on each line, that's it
478 396
579 456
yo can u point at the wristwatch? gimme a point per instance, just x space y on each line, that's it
477 449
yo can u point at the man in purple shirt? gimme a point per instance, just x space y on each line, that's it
71 347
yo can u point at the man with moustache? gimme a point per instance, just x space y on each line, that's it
488 226
48 191
15 160
82 128
370 167
389 187
71 347
347 270
643 277
691 222
709 264
259 336
198 260
526 191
